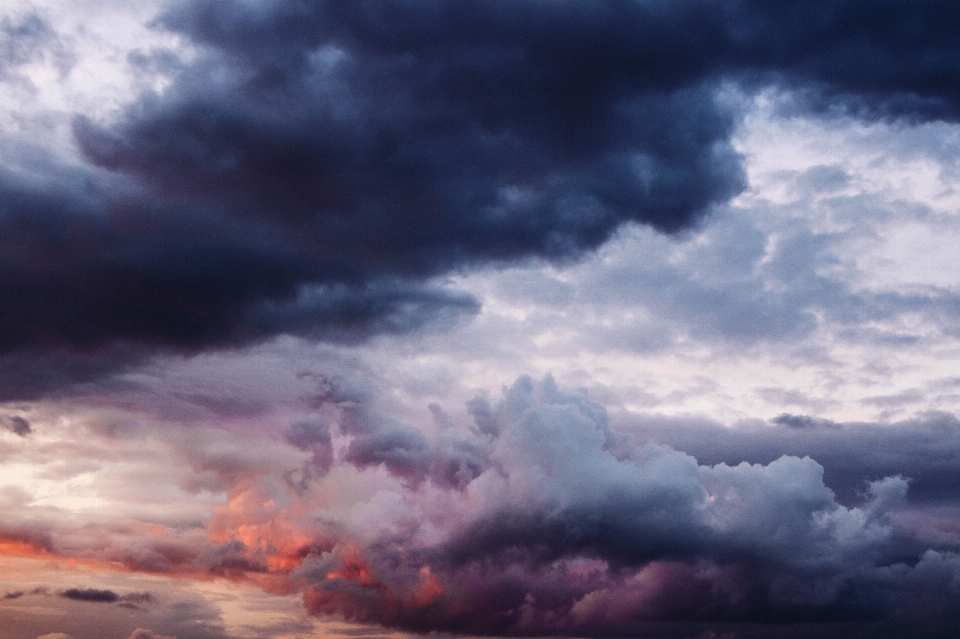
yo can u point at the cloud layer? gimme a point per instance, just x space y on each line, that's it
307 165
538 518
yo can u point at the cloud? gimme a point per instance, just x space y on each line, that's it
90 594
103 305
141 633
800 421
578 531
540 516
29 537
28 38
175 611
313 435
138 597
851 453
452 459
311 166
18 426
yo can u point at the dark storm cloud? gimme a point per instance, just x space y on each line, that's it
90 594
97 281
18 426
317 160
107 596
630 504
582 531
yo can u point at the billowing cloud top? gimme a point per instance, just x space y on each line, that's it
535 519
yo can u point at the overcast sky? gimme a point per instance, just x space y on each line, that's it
591 318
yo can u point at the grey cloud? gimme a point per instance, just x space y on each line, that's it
652 503
142 633
34 535
457 460
316 163
450 459
897 400
923 448
756 278
181 614
307 433
90 594
105 301
138 597
583 531
821 179
403 450
29 38
552 518
723 292
313 435
802 421
32 373
18 426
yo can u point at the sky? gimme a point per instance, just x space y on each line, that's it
477 318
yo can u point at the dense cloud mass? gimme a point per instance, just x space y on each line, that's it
311 162
575 530
540 518
90 594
